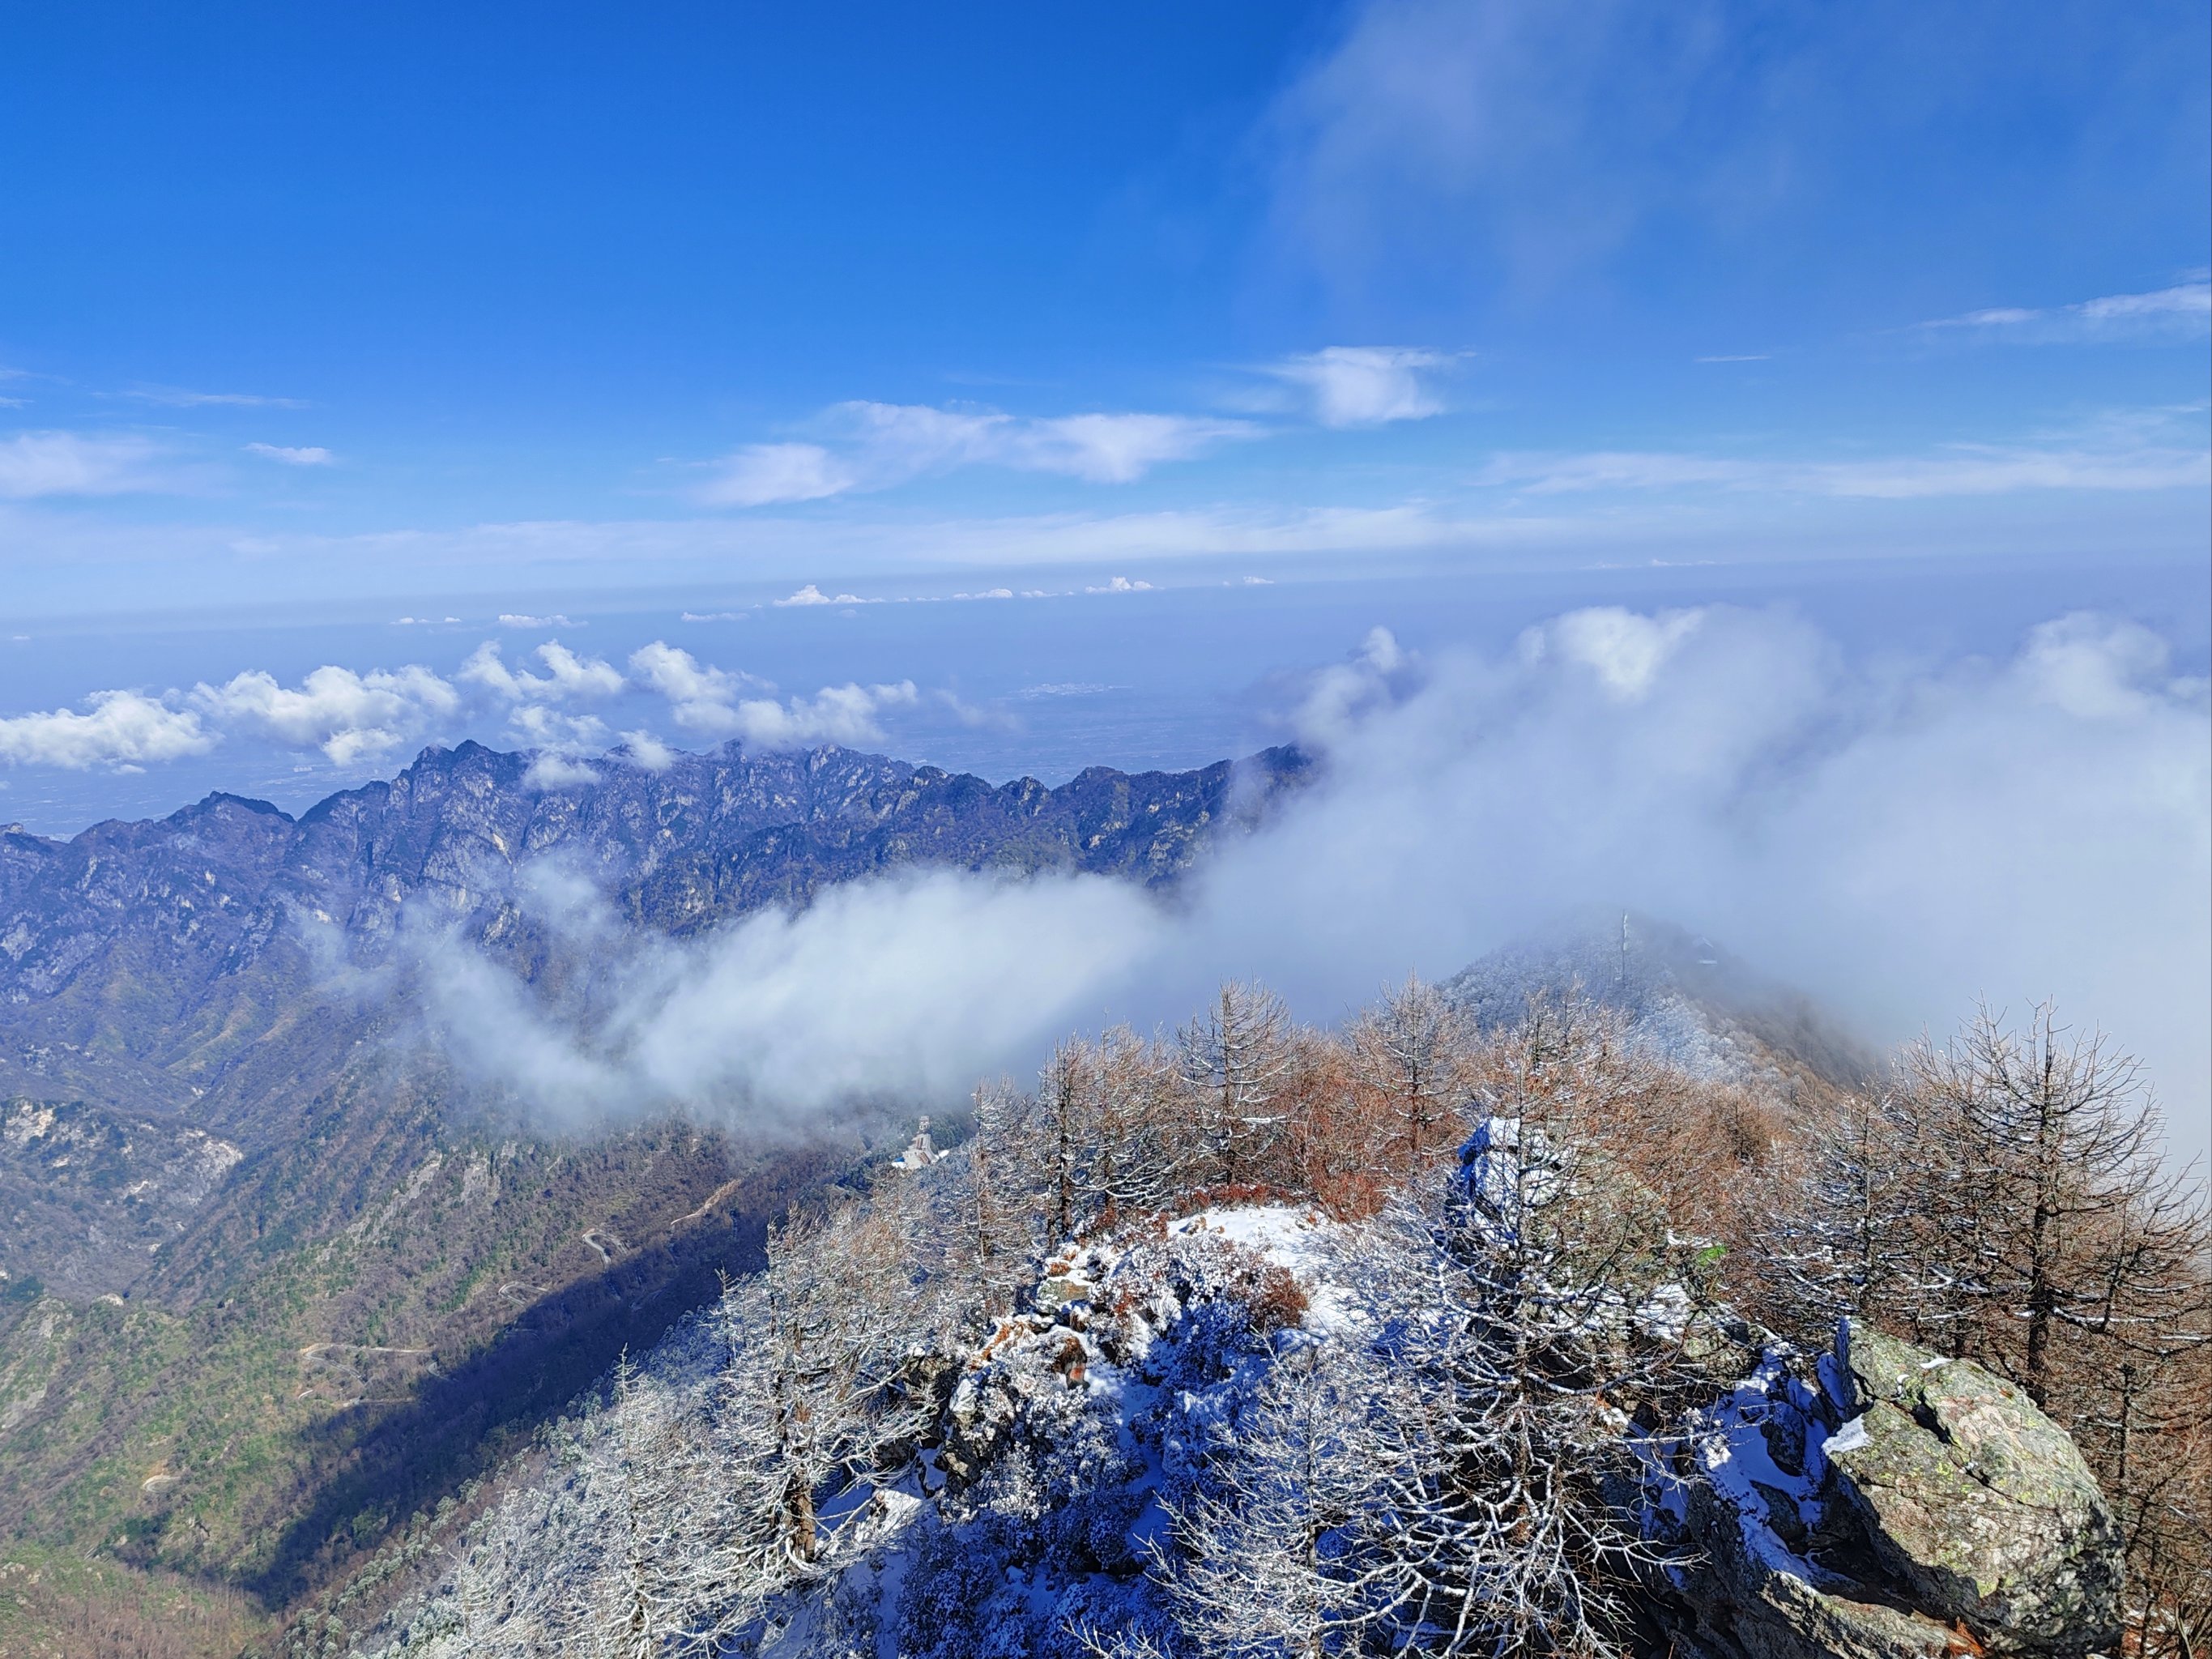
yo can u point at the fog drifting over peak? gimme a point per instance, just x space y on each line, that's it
1895 838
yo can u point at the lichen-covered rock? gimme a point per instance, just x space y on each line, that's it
1889 1504
1978 1504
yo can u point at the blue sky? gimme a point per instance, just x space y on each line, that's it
1746 459
312 319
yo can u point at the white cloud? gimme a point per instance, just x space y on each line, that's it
710 700
422 622
349 716
523 619
906 987
1514 140
1121 585
701 697
310 455
34 464
716 616
1867 834
811 594
759 475
1114 448
540 728
1365 386
178 397
553 770
126 730
647 752
2180 313
1896 843
1066 688
568 677
2093 462
1624 649
846 714
559 732
872 446
1338 697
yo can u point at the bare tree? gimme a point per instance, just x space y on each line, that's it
1859 1231
1408 1056
2009 1203
1536 1289
2075 1226
1240 1060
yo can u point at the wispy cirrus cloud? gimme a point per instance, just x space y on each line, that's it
34 464
1365 386
865 445
2183 311
2119 460
172 397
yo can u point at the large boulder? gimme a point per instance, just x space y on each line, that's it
1975 1503
1889 1502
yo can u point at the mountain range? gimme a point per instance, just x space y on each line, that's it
269 1275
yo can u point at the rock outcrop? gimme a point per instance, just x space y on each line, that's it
1891 1502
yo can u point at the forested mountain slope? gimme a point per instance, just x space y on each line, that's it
268 1278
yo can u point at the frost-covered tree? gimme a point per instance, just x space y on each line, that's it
1535 1308
1858 1229
1286 1554
1240 1062
659 1584
985 1192
816 1397
1109 1131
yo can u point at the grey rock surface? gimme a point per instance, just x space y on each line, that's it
1977 1503
1890 1501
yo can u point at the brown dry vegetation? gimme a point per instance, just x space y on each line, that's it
2001 1198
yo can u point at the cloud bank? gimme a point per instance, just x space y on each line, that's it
898 989
353 716
1897 839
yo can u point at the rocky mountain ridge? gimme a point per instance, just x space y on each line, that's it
153 965
236 1376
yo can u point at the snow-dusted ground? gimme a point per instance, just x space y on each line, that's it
1074 1431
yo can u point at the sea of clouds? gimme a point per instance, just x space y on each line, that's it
1898 839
